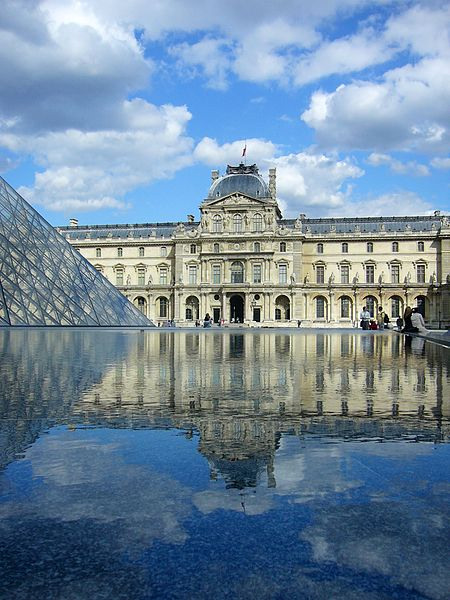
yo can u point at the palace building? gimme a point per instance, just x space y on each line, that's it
243 263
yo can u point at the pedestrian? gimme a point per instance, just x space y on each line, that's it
417 322
407 319
365 318
380 317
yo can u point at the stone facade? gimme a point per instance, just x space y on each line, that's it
242 262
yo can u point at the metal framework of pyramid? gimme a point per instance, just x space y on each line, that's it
44 281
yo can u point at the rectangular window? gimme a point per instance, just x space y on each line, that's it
216 274
119 252
192 274
395 273
141 276
370 274
420 273
320 274
257 273
282 271
163 276
345 274
119 277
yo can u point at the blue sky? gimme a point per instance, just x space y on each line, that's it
116 112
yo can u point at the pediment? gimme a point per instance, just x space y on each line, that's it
235 200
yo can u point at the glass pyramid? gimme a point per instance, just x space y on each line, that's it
44 281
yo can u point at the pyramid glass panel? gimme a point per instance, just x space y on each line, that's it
44 281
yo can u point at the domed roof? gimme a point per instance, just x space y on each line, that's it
242 179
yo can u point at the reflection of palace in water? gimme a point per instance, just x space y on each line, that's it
239 391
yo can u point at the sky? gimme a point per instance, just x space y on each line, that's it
116 112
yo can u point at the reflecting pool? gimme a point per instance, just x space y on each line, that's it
220 464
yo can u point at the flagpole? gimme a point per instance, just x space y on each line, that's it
244 153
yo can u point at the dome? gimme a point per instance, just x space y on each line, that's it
242 179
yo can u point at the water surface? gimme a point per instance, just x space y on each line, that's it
220 464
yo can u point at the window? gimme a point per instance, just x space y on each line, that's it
369 247
345 248
369 301
189 314
282 246
395 273
163 251
237 223
98 252
237 272
216 248
282 273
320 307
217 224
141 251
141 276
257 273
192 274
346 305
257 247
163 307
216 274
141 304
257 222
420 246
370 273
396 307
193 249
345 274
163 275
320 274
420 273
278 314
394 246
119 276
319 248
120 252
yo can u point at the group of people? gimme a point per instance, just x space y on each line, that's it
380 321
412 321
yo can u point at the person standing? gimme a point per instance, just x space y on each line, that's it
380 317
407 319
418 324
365 318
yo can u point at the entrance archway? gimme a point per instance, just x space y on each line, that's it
236 309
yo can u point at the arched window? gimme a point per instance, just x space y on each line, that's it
321 307
394 246
192 308
217 224
237 272
420 246
345 248
257 247
216 248
396 307
282 246
163 307
98 252
237 223
369 247
370 302
163 251
282 309
120 252
141 251
346 307
141 304
257 222
319 248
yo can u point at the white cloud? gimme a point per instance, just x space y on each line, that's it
410 167
391 204
95 169
441 163
408 108
210 153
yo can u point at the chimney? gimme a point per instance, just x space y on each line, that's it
190 218
214 175
73 222
273 183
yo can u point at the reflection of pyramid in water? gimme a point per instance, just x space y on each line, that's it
44 281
